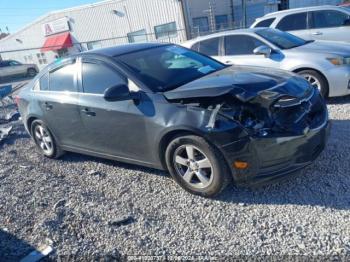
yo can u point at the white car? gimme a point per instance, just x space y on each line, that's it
328 23
326 65
10 68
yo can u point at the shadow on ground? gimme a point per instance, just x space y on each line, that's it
325 183
339 100
13 248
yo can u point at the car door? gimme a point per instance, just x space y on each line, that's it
110 127
17 68
296 24
330 25
6 69
239 50
58 100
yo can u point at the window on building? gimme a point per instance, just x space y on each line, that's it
62 79
201 24
208 47
44 82
293 22
329 18
265 23
93 45
137 36
97 78
221 22
166 30
241 45
41 58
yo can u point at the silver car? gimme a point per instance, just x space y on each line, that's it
326 65
329 23
10 68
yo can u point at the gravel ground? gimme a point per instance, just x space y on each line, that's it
89 207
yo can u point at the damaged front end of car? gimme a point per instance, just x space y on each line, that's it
286 125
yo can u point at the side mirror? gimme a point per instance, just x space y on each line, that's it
117 93
263 50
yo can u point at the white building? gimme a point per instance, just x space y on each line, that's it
113 22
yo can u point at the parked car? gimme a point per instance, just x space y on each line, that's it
168 107
329 23
326 65
10 68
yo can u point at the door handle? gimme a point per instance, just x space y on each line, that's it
229 62
317 33
48 106
88 112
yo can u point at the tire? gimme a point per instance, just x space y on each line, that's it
321 82
44 140
210 181
31 72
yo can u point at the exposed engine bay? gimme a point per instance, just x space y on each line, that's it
261 115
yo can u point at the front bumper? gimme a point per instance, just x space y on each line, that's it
274 157
277 154
339 81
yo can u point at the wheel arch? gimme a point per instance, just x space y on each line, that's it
168 137
311 69
29 122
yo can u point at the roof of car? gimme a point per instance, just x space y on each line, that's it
223 33
124 49
297 10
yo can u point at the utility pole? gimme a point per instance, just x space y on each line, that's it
244 13
211 16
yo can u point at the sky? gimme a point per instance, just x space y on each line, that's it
15 14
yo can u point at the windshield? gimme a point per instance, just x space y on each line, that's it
281 39
168 67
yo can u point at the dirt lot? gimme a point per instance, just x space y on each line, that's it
87 207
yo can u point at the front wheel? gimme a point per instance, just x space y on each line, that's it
316 80
44 140
197 166
31 72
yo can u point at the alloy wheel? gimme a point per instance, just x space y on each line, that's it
193 166
31 72
44 139
313 81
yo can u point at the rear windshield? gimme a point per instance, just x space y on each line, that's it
168 67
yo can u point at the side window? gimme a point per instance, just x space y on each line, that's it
329 18
44 82
194 47
265 23
62 79
14 63
98 77
241 44
293 22
209 47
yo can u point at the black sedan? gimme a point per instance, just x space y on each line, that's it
167 107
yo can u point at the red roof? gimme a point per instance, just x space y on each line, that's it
57 42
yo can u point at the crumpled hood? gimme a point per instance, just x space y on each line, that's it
245 83
325 47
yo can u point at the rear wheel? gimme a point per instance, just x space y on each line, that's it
197 166
44 140
31 72
317 80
